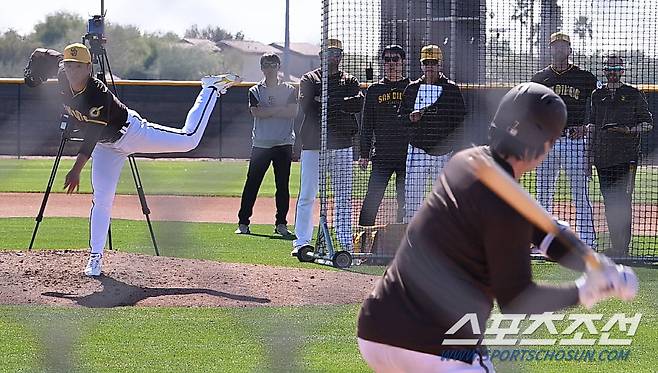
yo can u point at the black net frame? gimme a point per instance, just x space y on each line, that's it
488 47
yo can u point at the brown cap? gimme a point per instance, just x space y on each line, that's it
559 36
431 52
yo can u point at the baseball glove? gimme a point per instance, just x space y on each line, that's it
42 65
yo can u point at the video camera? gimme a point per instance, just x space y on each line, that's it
95 36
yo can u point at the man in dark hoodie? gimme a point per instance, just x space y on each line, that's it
619 117
383 136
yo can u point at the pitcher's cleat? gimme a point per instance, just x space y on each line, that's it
220 82
94 264
242 229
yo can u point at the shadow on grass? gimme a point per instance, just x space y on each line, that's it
116 294
272 236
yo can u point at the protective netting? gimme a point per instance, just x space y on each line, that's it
378 163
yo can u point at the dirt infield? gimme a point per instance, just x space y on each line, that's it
645 217
225 209
55 278
164 208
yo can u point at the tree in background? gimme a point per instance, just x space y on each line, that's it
524 13
582 27
215 34
133 54
14 51
58 28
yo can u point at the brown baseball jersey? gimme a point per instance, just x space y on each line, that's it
97 107
574 86
464 248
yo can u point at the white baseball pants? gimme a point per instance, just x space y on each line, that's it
340 172
420 166
308 190
390 359
140 137
569 155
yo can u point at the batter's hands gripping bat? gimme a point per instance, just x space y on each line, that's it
509 190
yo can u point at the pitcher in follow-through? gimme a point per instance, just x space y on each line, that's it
112 130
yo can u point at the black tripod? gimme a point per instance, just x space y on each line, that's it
67 133
99 57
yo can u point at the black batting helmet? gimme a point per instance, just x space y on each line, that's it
528 115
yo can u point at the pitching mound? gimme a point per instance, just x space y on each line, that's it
55 278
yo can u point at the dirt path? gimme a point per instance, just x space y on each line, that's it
225 209
55 278
171 208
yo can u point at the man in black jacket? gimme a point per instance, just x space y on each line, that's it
433 109
381 126
619 116
344 101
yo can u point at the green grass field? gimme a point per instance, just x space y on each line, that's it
272 339
199 178
177 239
268 339
226 178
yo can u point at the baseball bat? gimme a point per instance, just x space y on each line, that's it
509 190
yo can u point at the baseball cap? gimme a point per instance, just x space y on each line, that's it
77 52
431 52
334 44
559 36
394 48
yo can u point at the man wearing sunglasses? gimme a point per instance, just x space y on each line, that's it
273 105
380 125
574 86
344 101
619 116
433 109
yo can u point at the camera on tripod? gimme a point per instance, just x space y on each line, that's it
68 125
95 36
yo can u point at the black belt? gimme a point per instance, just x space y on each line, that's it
117 135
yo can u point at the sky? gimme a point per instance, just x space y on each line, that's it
615 24
261 20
